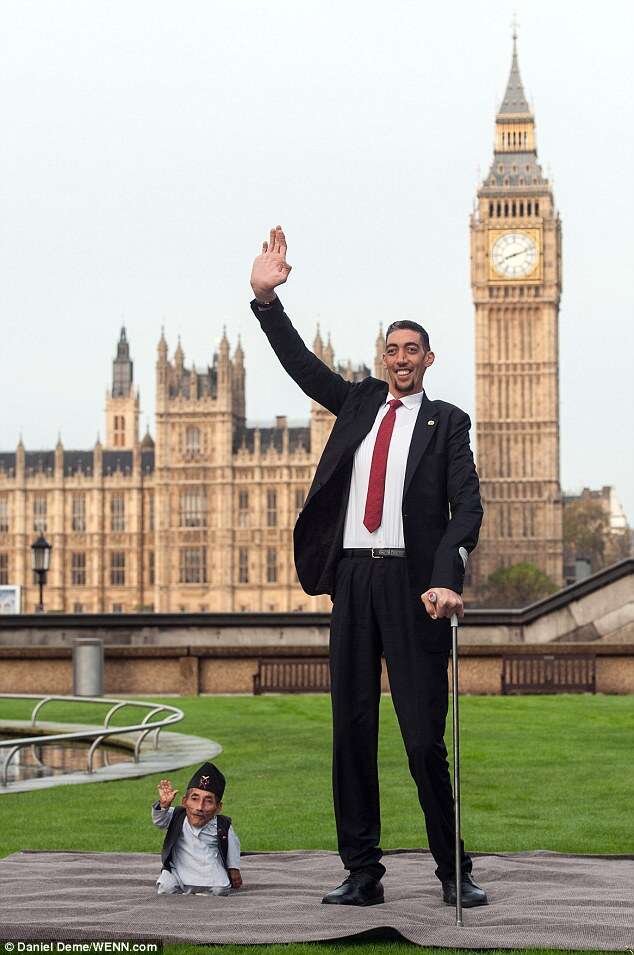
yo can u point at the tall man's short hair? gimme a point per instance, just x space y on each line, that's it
414 326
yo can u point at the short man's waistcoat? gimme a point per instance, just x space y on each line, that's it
175 828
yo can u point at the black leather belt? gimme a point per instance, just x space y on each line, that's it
374 552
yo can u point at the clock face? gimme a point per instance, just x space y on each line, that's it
514 255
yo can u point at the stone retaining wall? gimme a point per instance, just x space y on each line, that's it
193 670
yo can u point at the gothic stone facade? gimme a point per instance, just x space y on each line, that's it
516 283
200 519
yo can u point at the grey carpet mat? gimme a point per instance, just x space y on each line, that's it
537 900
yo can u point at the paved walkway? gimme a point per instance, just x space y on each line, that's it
175 751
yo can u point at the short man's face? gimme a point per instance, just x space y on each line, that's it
406 361
201 806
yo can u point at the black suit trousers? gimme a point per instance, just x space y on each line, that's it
376 612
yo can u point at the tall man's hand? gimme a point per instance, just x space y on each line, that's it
441 602
270 268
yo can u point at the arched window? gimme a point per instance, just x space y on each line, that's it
192 439
514 209
271 508
521 208
529 209
499 210
536 208
490 209
506 209
193 507
119 431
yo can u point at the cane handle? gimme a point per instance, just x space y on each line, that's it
464 554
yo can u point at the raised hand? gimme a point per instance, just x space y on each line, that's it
270 268
166 793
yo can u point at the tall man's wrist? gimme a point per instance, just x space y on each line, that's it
264 296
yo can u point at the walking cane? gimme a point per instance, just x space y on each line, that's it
456 754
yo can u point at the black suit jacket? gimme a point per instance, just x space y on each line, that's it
442 510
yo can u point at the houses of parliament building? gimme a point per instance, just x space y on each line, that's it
200 517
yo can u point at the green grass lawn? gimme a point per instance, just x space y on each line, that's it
537 772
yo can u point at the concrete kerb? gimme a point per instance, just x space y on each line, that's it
176 750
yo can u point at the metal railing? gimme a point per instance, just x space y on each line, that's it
97 735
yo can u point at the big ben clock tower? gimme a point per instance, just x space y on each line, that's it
516 282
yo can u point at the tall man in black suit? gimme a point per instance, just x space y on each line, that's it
394 497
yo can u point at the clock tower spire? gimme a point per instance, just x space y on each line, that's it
516 285
514 98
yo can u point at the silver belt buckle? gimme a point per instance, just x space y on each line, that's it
377 556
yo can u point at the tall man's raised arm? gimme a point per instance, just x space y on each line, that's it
270 270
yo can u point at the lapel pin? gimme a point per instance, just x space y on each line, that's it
431 421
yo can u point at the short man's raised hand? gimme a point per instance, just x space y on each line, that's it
440 602
270 268
166 793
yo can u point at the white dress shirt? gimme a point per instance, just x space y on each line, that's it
196 857
390 531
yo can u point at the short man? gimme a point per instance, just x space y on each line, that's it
394 497
201 852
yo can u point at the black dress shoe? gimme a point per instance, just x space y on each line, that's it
359 889
472 894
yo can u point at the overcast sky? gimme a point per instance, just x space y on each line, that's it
146 147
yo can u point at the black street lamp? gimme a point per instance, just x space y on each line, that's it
40 561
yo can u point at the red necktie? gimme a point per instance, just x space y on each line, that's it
376 484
